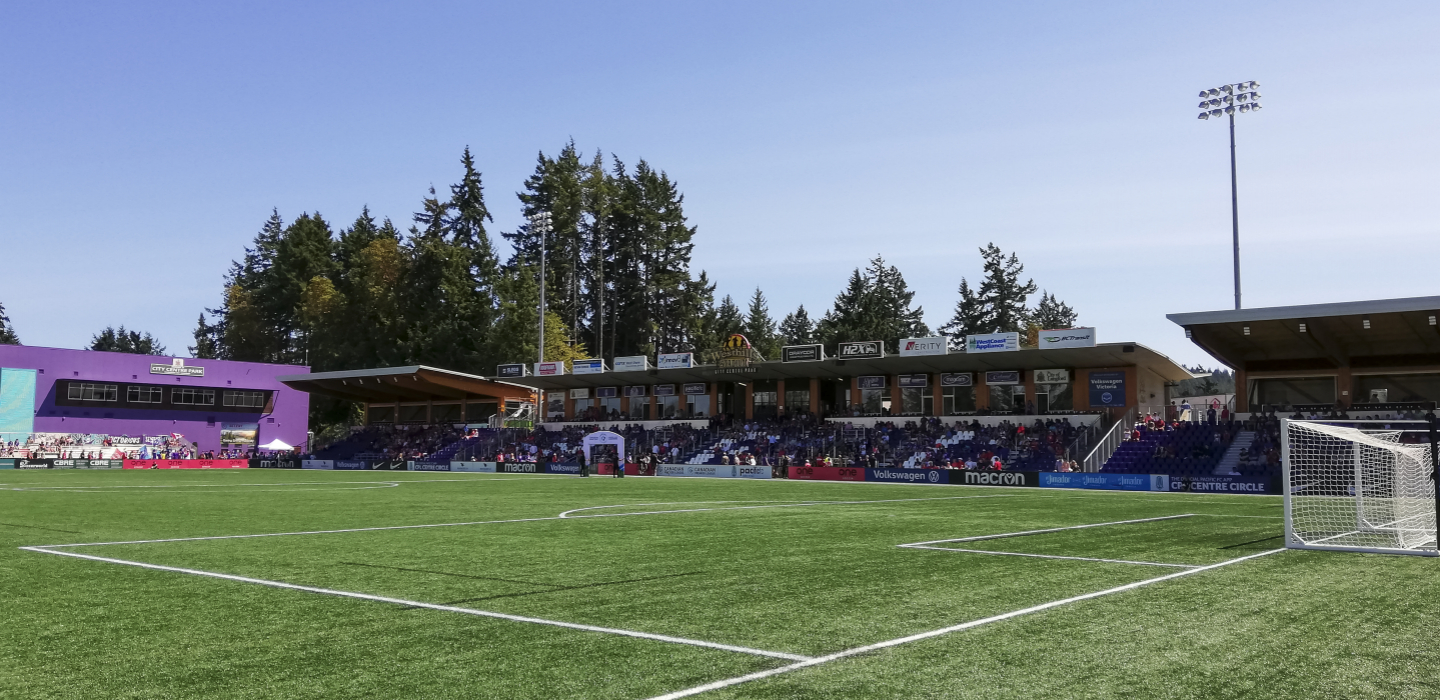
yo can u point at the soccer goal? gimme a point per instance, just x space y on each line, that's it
1357 489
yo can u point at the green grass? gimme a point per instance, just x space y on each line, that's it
800 579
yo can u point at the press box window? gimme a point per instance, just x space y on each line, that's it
144 394
192 397
94 392
245 399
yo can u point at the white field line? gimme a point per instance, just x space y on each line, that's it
942 631
1051 556
430 606
388 482
483 522
801 504
1049 529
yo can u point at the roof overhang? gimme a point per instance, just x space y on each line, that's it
406 385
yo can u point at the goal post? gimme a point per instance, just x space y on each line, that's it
1357 489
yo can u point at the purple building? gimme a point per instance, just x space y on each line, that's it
215 403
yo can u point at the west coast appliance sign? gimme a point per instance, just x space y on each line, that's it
992 342
177 368
862 350
674 360
515 370
910 347
802 353
549 369
1002 378
1068 338
957 379
635 363
587 366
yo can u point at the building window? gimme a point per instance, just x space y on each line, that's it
245 399
94 392
959 400
144 394
917 401
797 400
1291 391
1053 397
192 397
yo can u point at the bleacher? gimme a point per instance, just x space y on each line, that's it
1189 449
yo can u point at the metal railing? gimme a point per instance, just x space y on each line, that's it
1109 442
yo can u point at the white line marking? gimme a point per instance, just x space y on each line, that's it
944 630
1050 556
1050 529
74 487
783 505
492 522
431 606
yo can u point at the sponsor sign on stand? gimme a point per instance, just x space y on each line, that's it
7 463
1067 338
637 390
696 388
607 392
991 478
579 393
1107 389
515 370
317 464
485 467
351 464
872 382
992 342
186 464
957 379
909 476
418 466
1219 484
32 464
549 369
587 366
913 380
634 363
520 467
714 471
828 473
87 463
912 347
558 468
1112 482
664 389
273 463
1002 378
802 353
388 465
861 350
674 360
1052 376
177 368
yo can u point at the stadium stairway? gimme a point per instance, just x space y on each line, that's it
1230 462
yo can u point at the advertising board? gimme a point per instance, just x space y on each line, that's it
177 368
238 434
33 463
1052 376
486 467
607 392
634 363
558 468
87 463
388 465
1067 338
664 389
861 350
186 464
1107 388
7 463
674 360
802 353
912 347
317 464
1219 484
992 478
1002 378
579 393
515 370
957 379
418 466
828 473
1111 482
636 390
352 464
909 476
696 389
275 463
520 467
992 342
913 380
549 369
876 381
721 471
595 366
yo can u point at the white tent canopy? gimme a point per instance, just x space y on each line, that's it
277 445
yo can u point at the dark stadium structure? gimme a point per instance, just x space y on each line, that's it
417 394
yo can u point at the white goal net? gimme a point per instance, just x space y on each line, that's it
1355 489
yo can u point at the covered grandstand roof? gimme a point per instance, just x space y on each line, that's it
1105 355
1380 333
405 384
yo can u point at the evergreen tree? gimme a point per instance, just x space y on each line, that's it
875 305
206 346
797 328
7 332
969 318
1051 313
1002 294
517 320
120 340
760 328
728 319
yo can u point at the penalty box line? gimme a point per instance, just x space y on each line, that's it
431 606
930 544
716 685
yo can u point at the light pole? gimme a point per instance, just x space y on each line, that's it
540 224
1228 100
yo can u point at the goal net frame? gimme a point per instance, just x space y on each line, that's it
1380 498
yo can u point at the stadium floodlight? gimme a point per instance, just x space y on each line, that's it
1225 100
540 225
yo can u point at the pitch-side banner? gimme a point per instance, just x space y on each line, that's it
828 473
488 467
909 476
1112 482
187 464
1219 484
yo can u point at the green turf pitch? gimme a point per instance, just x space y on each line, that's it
795 570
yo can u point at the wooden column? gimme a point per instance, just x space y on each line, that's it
896 405
937 395
1345 388
749 400
1242 392
815 396
779 396
1030 389
854 392
714 398
982 392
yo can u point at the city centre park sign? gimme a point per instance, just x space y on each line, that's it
735 356
177 368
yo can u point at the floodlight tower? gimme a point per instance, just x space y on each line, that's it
540 224
1228 100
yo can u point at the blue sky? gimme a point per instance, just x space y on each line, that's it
143 144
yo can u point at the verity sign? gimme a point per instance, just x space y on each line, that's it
910 347
802 353
862 350
177 368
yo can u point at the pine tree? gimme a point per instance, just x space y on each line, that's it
1051 313
969 318
760 327
873 306
797 328
7 332
1001 292
120 340
728 319
206 346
